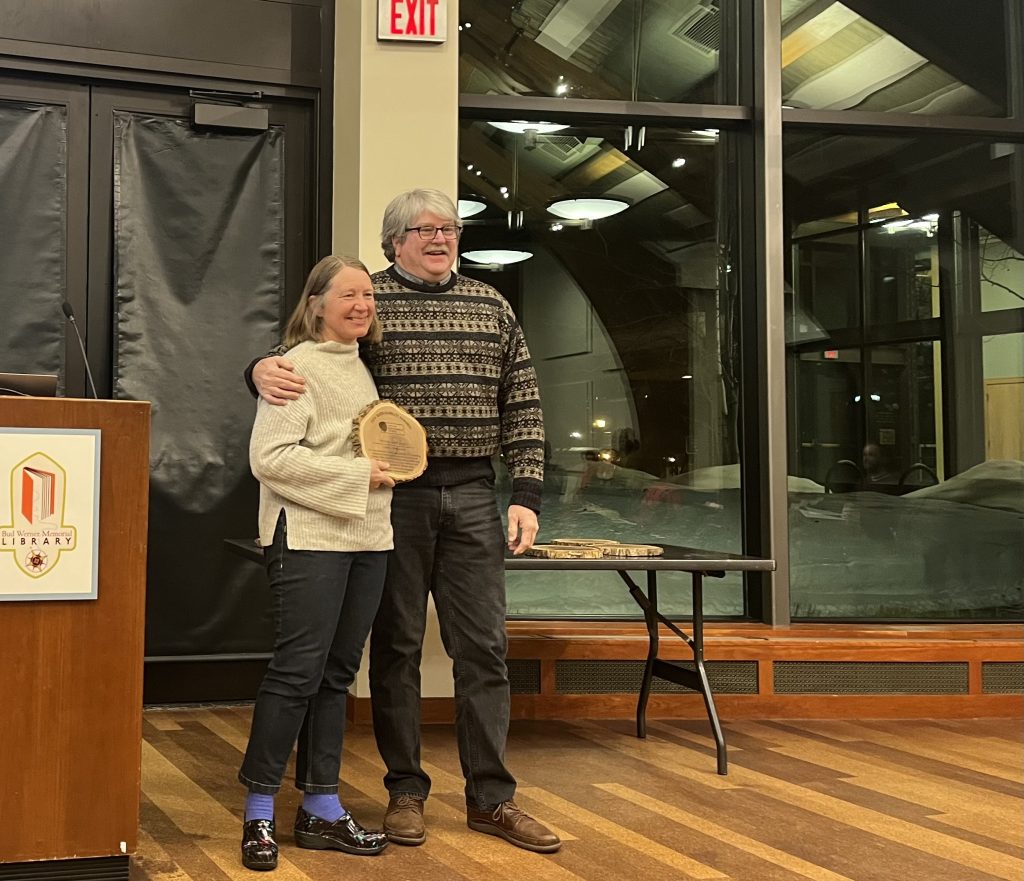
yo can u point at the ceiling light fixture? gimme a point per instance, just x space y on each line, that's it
521 126
469 207
679 162
498 256
586 209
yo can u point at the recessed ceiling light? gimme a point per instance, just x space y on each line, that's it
499 256
586 209
520 126
679 162
469 207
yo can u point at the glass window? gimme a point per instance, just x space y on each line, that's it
901 271
1003 364
617 263
826 285
826 419
1001 271
915 56
639 50
889 517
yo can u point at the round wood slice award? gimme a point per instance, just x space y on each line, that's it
584 542
387 432
610 547
565 552
631 550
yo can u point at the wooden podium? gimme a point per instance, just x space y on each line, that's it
71 671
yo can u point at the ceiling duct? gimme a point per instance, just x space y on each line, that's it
701 28
560 147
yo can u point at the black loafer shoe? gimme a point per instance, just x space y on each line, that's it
259 850
344 834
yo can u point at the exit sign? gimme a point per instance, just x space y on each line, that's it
419 21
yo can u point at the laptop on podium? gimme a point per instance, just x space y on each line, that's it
32 385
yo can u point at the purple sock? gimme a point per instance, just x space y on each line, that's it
323 805
259 806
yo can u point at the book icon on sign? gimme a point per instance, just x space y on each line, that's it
38 495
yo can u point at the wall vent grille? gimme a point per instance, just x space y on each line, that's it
1002 677
623 677
869 677
524 677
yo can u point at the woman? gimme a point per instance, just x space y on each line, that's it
326 529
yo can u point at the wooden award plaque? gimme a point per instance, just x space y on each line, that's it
584 542
610 547
565 552
631 550
387 432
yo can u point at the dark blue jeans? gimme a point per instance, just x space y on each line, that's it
323 604
449 542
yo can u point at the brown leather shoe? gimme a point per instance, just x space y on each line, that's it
515 826
403 820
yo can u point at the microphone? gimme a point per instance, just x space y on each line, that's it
69 313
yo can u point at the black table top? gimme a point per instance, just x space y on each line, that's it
675 559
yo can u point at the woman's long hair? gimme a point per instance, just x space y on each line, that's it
304 323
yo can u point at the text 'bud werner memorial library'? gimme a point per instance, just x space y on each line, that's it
688 541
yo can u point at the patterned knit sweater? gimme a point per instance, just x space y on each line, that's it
302 455
454 356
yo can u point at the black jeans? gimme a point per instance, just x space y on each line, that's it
448 541
323 605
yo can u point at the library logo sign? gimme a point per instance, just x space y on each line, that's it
39 534
49 514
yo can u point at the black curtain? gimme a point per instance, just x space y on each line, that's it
33 208
198 282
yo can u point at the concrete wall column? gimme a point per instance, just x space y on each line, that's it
396 112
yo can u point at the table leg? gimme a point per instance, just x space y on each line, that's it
651 618
698 662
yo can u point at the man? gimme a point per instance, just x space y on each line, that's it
453 354
878 473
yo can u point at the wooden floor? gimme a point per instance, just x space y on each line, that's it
827 801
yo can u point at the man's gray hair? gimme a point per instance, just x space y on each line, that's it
403 210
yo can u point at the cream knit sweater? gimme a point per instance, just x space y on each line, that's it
301 453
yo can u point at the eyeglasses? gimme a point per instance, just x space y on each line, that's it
427 233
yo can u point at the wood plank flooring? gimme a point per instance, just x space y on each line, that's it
825 801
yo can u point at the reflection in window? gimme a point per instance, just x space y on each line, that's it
901 272
915 56
640 50
1003 364
905 422
1002 273
617 263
